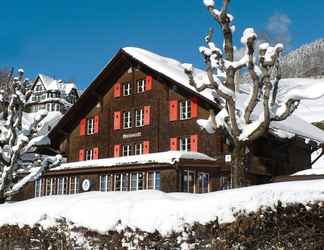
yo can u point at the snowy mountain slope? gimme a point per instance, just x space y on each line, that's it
155 210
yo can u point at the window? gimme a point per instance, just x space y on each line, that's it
153 180
48 186
188 181
137 181
53 184
225 182
126 150
121 182
57 107
89 154
185 110
74 185
140 86
203 183
139 118
139 149
60 185
184 144
38 187
127 89
127 120
105 183
90 126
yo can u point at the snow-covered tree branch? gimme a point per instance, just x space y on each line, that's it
244 119
17 138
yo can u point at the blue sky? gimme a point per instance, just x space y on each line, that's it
73 40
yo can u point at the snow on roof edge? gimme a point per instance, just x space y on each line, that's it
169 157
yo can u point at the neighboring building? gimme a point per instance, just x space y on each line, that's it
135 127
52 95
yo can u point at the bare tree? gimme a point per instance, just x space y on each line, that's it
264 68
16 139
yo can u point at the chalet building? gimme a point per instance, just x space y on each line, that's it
135 128
52 95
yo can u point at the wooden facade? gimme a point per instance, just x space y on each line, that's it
163 128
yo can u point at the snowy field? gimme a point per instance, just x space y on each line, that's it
150 210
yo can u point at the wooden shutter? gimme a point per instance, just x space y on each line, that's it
147 114
83 127
194 107
81 155
194 143
148 83
146 145
95 153
117 89
174 143
117 120
117 150
96 124
173 109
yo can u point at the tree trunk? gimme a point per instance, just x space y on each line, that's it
238 173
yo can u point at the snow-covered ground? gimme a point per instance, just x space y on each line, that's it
150 210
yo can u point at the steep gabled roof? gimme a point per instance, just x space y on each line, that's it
50 83
169 70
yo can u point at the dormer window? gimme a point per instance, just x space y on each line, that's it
127 89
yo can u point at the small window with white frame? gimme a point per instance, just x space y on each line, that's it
38 187
203 182
127 120
185 110
140 85
74 185
153 180
127 150
139 118
89 155
184 144
127 89
90 126
105 183
139 149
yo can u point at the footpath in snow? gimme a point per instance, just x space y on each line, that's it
150 210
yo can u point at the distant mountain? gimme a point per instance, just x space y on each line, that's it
307 61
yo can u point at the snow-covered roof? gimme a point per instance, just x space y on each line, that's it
169 157
174 70
53 84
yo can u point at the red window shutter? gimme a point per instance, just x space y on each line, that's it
148 83
174 143
194 107
117 150
96 153
146 145
81 155
82 127
147 115
96 124
194 143
173 109
117 89
117 120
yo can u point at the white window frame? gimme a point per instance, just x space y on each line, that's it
201 187
127 119
60 185
141 85
137 176
188 173
156 176
123 180
185 110
38 187
90 126
139 118
48 186
127 89
139 149
89 155
185 144
126 150
74 185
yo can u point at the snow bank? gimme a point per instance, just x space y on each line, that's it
312 171
150 210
